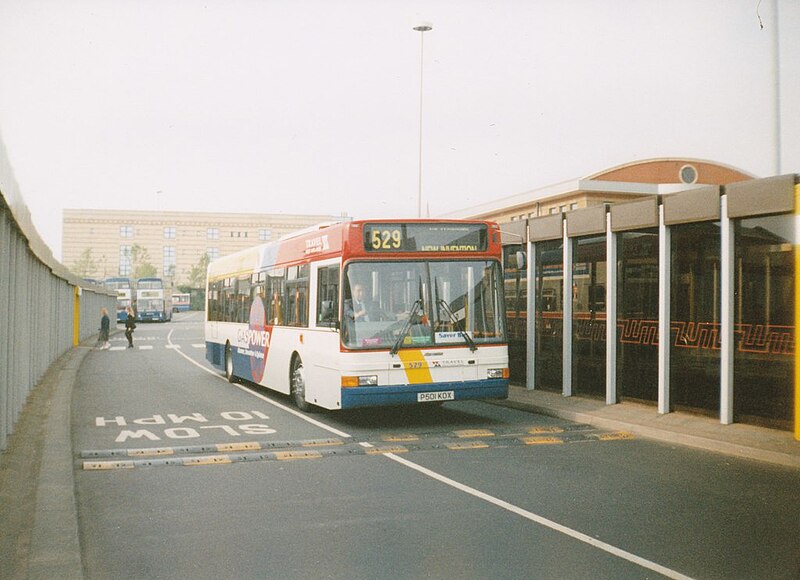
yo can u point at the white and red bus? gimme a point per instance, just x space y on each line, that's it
364 313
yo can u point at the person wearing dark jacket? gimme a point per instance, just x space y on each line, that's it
105 325
130 325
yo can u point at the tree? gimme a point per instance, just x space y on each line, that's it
197 283
85 267
197 275
140 263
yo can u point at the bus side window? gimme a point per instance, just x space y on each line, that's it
296 296
275 285
327 296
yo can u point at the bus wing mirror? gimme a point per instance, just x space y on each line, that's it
327 313
521 260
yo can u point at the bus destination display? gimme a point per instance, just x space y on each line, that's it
425 237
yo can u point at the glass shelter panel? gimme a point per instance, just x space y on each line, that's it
764 321
695 320
516 295
589 316
549 315
637 315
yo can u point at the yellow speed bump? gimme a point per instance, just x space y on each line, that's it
400 438
471 433
385 449
615 436
536 440
249 446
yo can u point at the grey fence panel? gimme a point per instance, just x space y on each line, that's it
37 305
6 411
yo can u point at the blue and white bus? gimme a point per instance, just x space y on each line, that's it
181 301
153 300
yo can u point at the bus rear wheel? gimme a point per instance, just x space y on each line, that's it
229 364
297 381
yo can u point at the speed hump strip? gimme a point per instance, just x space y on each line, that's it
211 448
225 454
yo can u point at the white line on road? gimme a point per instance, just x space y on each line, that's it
540 520
146 347
260 396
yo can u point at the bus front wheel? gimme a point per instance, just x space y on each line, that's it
297 382
229 364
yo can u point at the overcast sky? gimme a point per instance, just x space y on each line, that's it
313 106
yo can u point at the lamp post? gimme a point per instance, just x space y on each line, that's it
422 28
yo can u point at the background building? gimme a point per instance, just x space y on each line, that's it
105 243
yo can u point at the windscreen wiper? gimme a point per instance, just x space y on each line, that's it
406 327
443 305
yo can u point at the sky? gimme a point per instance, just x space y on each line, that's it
313 106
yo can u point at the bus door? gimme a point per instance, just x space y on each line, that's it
322 345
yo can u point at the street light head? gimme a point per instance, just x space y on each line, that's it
423 27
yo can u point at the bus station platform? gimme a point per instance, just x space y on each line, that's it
707 433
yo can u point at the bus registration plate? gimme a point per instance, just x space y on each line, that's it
437 396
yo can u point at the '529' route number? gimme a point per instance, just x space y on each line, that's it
386 239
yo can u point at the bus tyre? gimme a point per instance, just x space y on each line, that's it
297 381
229 364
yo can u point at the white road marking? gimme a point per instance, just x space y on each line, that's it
198 345
146 347
173 346
620 553
117 348
214 373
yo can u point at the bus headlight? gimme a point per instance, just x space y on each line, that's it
363 381
497 374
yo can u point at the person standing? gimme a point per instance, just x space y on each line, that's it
130 325
105 325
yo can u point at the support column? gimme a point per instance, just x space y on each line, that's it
611 314
664 275
796 311
726 316
567 313
530 378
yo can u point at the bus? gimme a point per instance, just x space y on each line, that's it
181 301
153 300
125 295
364 313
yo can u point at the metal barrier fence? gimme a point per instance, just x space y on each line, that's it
44 309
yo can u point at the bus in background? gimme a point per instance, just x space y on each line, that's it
181 301
125 295
364 313
153 301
